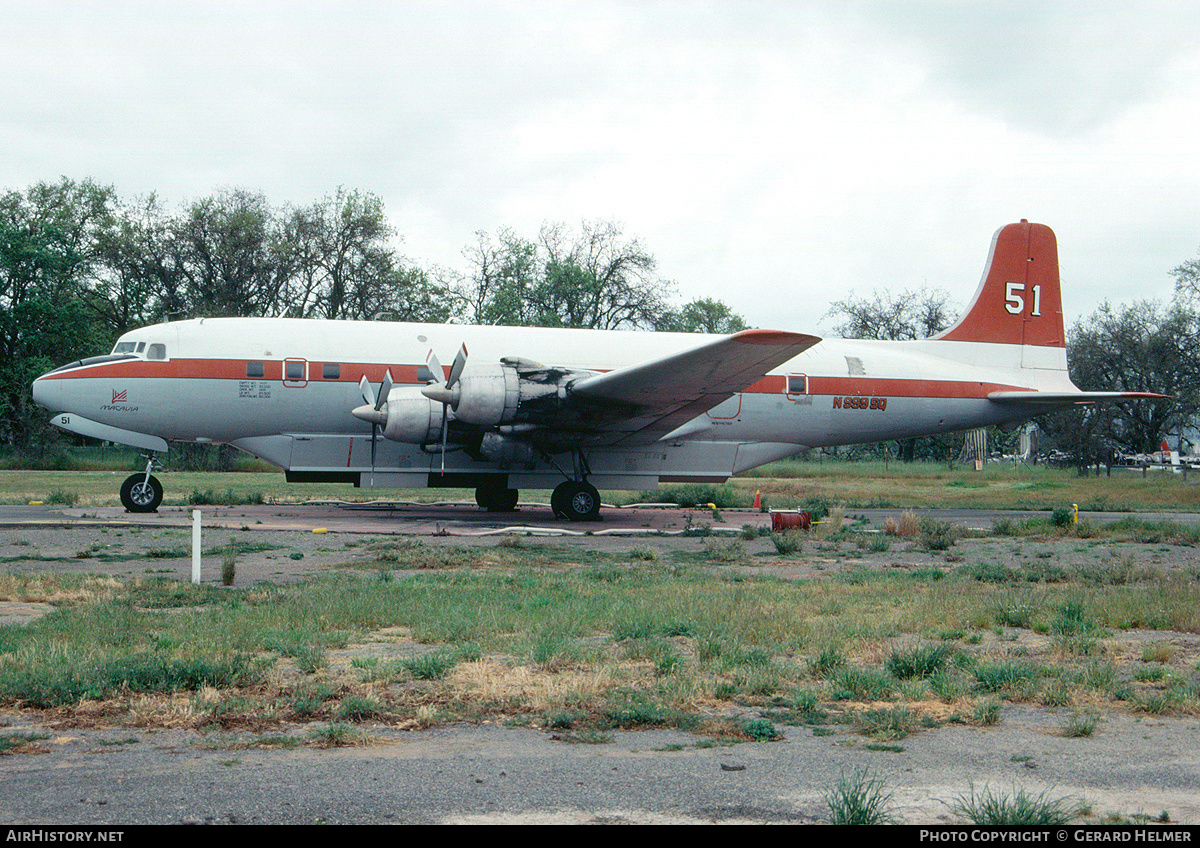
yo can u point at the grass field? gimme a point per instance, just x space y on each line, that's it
867 485
861 485
583 641
888 635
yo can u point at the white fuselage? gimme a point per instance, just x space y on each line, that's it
284 390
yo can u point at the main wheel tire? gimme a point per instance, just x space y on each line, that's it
558 500
576 501
141 494
496 499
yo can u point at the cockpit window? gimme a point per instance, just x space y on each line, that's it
156 351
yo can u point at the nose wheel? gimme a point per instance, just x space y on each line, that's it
141 493
576 501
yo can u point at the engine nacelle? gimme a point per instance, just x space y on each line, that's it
486 395
512 392
412 418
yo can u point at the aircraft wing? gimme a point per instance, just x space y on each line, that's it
1066 398
646 401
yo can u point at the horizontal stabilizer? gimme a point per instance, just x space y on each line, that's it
1063 398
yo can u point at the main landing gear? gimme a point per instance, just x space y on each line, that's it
142 492
573 500
576 500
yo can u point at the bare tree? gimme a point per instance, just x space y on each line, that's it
908 315
905 316
1187 280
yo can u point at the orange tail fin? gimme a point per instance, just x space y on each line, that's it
1019 301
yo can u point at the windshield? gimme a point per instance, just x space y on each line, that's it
154 351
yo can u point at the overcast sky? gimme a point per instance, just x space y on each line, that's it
775 155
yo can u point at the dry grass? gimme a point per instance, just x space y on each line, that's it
907 527
56 588
540 689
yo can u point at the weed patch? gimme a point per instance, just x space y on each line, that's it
860 798
1021 807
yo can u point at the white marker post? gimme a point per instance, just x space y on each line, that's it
196 546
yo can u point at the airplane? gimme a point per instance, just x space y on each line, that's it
565 409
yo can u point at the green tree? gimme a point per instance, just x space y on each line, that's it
225 252
702 316
136 267
405 294
598 279
503 273
594 278
336 258
1139 347
48 256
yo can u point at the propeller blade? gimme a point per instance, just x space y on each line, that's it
374 436
445 430
456 369
373 410
385 389
431 371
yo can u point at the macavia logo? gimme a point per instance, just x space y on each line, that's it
119 402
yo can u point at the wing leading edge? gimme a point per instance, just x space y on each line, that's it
646 401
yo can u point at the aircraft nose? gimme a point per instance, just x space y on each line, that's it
48 393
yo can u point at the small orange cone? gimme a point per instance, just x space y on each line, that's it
758 499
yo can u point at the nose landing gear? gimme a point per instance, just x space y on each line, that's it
142 492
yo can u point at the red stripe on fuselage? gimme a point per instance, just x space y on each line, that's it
883 387
235 369
351 372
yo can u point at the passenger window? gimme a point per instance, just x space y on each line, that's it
293 371
156 351
797 384
331 371
255 370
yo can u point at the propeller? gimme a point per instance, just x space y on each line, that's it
374 410
447 395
